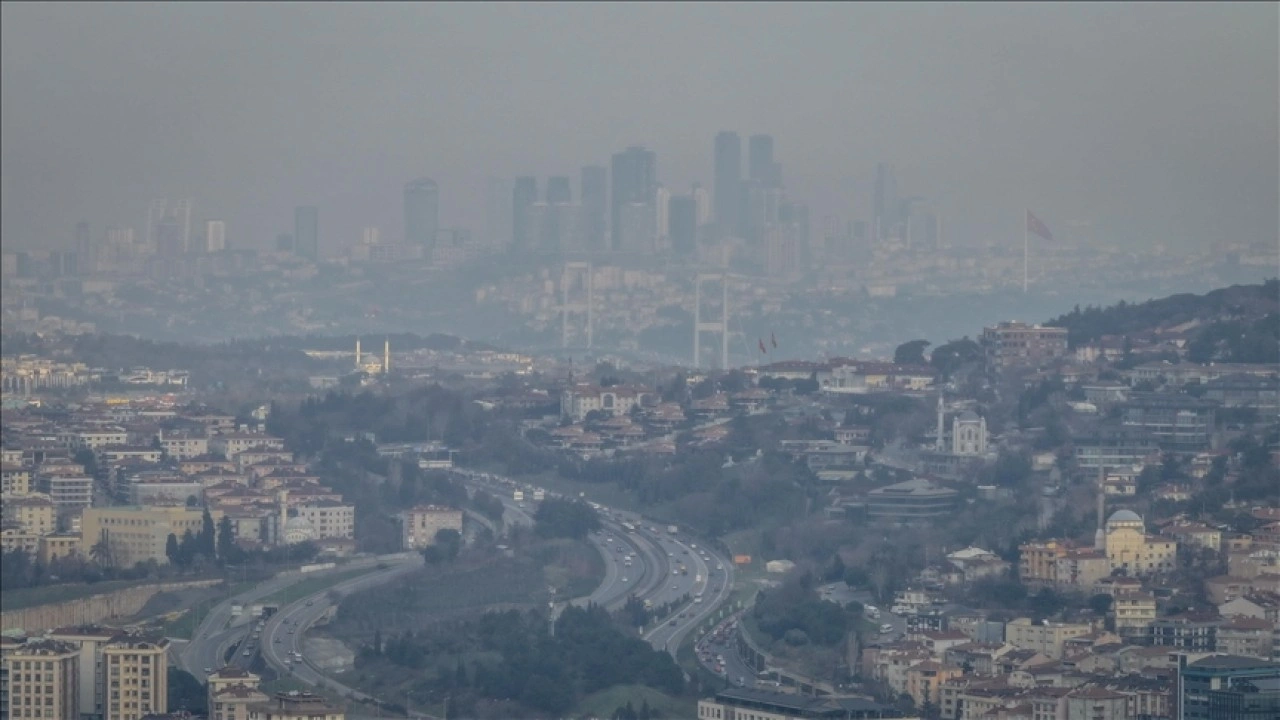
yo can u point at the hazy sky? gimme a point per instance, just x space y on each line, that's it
1153 121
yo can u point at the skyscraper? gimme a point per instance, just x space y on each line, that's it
524 194
683 224
760 165
595 203
728 180
702 201
558 190
421 213
662 211
169 238
499 220
570 235
306 232
215 236
886 207
635 180
636 228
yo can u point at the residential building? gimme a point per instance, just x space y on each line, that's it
924 682
329 519
1095 703
615 400
44 680
1038 561
1132 613
8 645
137 677
89 641
15 479
1046 638
419 525
1192 632
1014 343
1083 568
35 514
1248 637
58 545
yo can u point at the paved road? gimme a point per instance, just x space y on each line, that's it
214 636
284 631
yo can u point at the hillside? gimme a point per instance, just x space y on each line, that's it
1235 324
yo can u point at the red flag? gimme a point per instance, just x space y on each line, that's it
773 339
1039 228
762 346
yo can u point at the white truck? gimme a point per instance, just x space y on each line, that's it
672 529
697 578
539 495
518 495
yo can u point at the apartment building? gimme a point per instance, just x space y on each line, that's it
1009 344
15 479
1046 638
43 681
35 514
89 642
419 525
331 519
137 677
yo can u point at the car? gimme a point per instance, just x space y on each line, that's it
672 623
675 587
290 631
624 580
208 671
310 603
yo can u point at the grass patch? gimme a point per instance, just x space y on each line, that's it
311 586
53 594
602 704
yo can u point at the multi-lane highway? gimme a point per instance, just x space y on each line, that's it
282 637
217 632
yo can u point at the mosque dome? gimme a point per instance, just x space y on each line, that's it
1124 517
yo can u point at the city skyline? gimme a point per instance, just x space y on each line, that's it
1038 110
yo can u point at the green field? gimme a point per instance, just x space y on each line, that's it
311 586
603 704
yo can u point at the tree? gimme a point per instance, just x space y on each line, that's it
911 353
186 692
171 548
207 539
100 552
952 356
226 539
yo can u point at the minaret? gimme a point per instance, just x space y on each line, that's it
939 445
357 353
1100 536
386 356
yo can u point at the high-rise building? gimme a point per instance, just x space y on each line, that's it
702 203
84 246
156 212
421 212
284 243
182 211
558 190
683 224
594 191
371 236
728 180
760 165
886 207
306 232
569 227
636 231
635 181
168 236
89 642
499 220
662 211
44 674
533 221
524 193
923 231
215 236
137 673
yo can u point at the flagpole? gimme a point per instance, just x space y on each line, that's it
1026 217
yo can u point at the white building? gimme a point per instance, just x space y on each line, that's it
215 236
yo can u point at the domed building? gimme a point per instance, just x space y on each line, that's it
1129 546
297 530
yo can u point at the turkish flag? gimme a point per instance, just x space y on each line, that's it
762 346
1039 228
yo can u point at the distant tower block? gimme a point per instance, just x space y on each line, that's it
577 303
721 327
357 353
386 356
155 213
